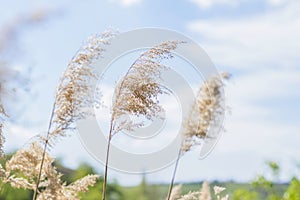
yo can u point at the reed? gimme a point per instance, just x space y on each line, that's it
137 93
203 115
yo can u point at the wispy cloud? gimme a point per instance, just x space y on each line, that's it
210 3
127 3
264 49
206 4
17 136
130 2
277 2
271 38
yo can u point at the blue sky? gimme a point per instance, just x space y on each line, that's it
257 41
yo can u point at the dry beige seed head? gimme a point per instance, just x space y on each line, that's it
74 96
137 92
176 192
218 189
205 192
75 93
18 182
23 168
27 160
205 112
190 196
59 190
82 184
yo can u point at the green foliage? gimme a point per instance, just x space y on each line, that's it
274 168
114 191
144 191
243 194
10 193
267 188
262 182
82 170
293 191
262 188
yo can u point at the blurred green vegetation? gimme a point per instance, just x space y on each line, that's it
261 187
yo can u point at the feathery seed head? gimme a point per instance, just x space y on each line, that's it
205 192
137 92
190 196
205 112
23 168
176 192
74 93
218 189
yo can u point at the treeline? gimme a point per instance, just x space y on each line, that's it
259 189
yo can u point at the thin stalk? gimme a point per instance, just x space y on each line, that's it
173 176
110 136
106 161
44 154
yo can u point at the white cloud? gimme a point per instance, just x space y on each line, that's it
17 135
210 3
266 84
206 4
126 3
276 2
271 38
130 2
263 97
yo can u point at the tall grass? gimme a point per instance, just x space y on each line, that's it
203 115
137 93
73 93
